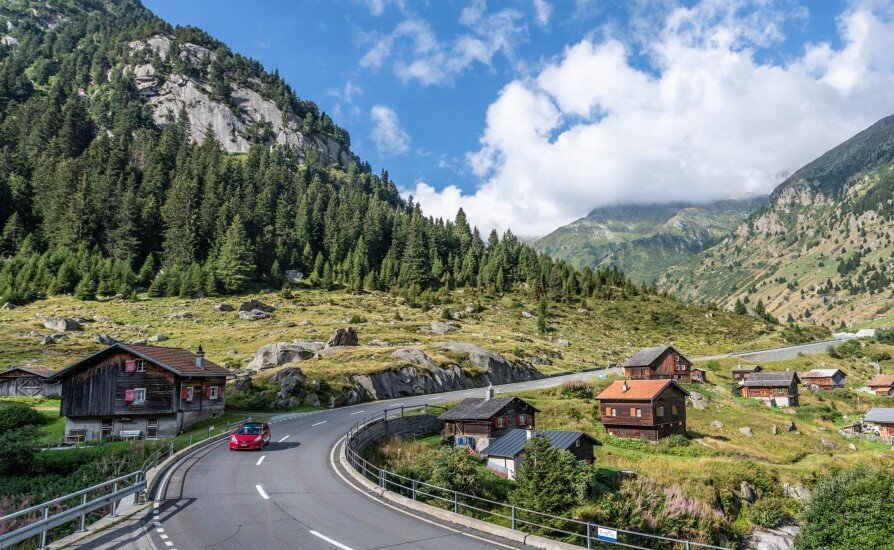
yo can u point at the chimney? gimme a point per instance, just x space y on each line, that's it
529 433
490 393
200 358
624 387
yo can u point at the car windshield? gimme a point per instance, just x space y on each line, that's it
249 429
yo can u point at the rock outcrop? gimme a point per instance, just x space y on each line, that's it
62 324
253 315
255 304
342 337
418 375
270 356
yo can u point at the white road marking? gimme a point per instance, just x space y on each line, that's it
261 491
160 530
318 423
162 537
169 543
358 412
330 541
154 511
436 398
280 441
261 460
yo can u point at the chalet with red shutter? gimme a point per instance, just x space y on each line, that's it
882 384
659 363
644 409
140 391
476 423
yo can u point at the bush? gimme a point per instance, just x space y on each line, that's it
17 450
851 348
357 319
850 510
767 512
885 335
17 416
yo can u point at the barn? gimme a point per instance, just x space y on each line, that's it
28 382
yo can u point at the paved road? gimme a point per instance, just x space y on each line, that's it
292 495
782 354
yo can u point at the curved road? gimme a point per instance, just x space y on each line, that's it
294 495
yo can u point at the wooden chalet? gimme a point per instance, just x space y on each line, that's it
645 409
699 376
659 363
742 372
823 379
504 455
28 382
882 384
476 422
779 389
140 392
881 421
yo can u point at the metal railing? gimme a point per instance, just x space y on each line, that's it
81 505
581 533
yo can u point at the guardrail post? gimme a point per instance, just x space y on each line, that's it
687 545
171 449
114 513
513 517
83 526
588 535
43 535
455 502
414 489
190 440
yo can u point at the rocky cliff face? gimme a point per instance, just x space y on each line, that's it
416 374
243 118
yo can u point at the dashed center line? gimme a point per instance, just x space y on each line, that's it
330 541
261 460
281 440
262 493
318 423
358 412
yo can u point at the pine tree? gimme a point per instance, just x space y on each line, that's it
549 480
739 308
235 263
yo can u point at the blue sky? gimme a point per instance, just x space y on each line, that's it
527 112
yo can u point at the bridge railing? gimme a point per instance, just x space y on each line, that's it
581 533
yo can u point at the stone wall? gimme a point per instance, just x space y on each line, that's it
405 427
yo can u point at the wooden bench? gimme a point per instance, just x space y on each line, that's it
131 434
75 436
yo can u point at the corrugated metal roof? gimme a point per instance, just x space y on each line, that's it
880 414
821 373
474 408
778 379
512 444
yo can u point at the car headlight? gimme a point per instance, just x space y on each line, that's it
260 437
234 440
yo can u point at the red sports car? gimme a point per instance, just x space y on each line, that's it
250 436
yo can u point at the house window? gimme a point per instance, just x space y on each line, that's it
660 411
636 413
139 396
189 393
674 409
105 428
141 366
500 422
212 392
614 412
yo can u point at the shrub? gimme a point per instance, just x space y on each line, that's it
17 450
357 319
17 416
885 335
853 509
767 512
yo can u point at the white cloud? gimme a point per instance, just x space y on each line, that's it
418 55
543 10
708 119
387 134
377 7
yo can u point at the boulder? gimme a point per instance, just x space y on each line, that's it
312 400
104 339
746 492
342 337
253 315
315 386
851 446
716 424
181 315
53 339
293 276
161 337
294 402
828 443
413 357
746 431
305 323
380 343
798 492
223 306
441 328
199 294
791 427
699 401
774 430
255 304
243 384
139 342
289 380
562 342
527 315
7 306
269 356
62 324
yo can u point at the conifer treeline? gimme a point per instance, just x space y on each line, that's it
95 200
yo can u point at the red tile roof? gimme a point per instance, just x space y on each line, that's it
177 360
882 380
637 390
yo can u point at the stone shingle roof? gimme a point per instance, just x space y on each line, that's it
772 379
880 414
474 408
645 356
511 444
43 373
821 373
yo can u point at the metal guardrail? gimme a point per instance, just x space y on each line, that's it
112 491
582 533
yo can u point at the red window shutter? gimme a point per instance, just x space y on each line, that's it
184 393
208 391
128 396
130 366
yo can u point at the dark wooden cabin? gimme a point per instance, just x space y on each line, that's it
645 409
779 389
742 372
140 391
28 382
477 422
659 363
504 455
699 376
824 379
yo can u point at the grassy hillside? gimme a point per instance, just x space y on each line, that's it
645 240
603 333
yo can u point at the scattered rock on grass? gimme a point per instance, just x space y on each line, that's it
342 337
699 401
62 324
253 315
716 424
223 306
746 431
